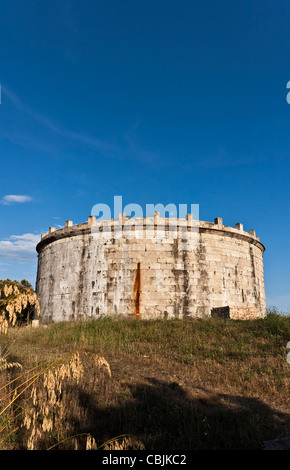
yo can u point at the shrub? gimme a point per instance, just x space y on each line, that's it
17 303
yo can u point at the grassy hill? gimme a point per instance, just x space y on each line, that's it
174 385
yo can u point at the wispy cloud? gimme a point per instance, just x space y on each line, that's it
82 138
27 110
51 136
19 248
15 198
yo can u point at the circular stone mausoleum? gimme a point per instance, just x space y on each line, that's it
151 267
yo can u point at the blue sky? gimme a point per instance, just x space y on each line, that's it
158 101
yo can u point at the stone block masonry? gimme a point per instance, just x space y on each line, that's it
109 268
236 313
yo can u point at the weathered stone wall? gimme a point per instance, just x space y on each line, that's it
236 313
84 272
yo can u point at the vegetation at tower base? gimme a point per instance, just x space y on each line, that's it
175 385
18 303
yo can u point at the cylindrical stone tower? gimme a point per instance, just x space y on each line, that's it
149 268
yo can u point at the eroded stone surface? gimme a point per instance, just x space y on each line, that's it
85 271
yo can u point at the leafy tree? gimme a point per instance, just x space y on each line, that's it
18 302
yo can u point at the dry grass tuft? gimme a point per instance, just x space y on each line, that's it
45 401
127 443
196 384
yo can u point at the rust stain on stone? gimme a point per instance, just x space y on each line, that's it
137 291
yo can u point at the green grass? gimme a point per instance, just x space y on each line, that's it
179 384
213 339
